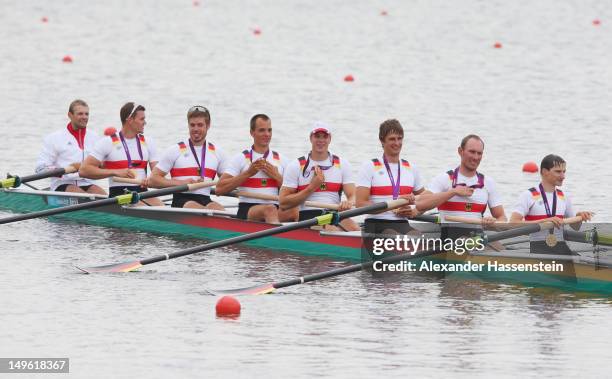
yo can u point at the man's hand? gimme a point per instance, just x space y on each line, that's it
488 221
406 211
463 191
410 197
345 205
586 215
76 165
125 173
269 169
557 221
317 179
254 168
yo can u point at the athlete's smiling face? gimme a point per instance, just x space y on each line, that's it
471 154
392 145
79 116
320 142
262 134
198 129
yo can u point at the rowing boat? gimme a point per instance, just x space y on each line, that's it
582 273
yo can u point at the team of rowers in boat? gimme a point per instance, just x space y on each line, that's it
318 176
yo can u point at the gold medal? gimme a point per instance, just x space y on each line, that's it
551 240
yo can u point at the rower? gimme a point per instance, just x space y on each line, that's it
464 192
191 161
546 202
126 154
389 177
321 176
70 146
258 170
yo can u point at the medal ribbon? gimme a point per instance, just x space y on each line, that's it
201 167
480 183
546 206
251 154
321 167
394 185
127 150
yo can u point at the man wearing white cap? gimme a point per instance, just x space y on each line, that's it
319 177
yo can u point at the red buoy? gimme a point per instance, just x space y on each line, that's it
110 131
44 19
256 31
596 22
67 59
497 45
530 167
196 3
349 78
228 306
383 13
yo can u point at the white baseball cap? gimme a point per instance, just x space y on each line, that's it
320 127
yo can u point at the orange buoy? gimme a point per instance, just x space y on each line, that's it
530 167
227 306
110 131
44 19
349 78
497 45
67 59
596 22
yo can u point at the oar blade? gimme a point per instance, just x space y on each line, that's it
118 267
261 289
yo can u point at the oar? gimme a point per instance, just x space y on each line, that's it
589 236
474 221
264 196
319 220
267 288
16 181
128 198
133 181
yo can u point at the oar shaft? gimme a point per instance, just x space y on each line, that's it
55 211
272 231
122 199
15 181
47 174
397 258
589 236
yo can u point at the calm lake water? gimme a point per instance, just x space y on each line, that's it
430 64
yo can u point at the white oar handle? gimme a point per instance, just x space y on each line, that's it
192 186
545 225
467 220
316 204
70 169
392 204
198 185
263 196
127 180
549 225
260 196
